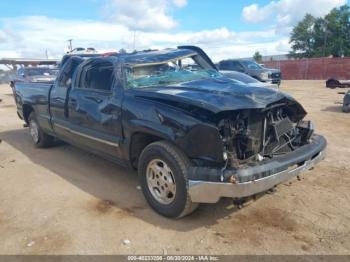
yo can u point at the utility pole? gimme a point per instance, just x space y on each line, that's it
70 44
47 54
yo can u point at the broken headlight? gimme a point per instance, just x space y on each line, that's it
306 129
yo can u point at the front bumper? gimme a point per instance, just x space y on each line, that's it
259 178
275 81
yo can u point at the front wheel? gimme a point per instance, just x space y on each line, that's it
163 176
39 137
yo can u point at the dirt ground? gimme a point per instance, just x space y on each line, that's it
64 200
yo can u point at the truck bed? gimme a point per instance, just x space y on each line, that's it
35 94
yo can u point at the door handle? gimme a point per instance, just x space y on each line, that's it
95 99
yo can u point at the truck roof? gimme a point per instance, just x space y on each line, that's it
148 57
155 56
238 59
141 57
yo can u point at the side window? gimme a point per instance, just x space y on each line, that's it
97 76
236 66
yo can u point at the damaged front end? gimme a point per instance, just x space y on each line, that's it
261 148
256 134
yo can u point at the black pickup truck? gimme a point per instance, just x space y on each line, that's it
193 134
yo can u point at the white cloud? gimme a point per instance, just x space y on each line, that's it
254 14
31 36
143 15
285 13
151 23
180 3
246 49
9 53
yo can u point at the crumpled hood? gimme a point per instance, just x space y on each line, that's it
217 94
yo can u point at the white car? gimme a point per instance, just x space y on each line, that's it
81 50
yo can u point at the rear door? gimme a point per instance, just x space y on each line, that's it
94 107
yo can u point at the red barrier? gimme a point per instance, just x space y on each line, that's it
313 68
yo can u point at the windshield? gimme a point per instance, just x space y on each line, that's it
251 65
173 72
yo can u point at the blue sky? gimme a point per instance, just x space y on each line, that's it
197 15
200 15
224 28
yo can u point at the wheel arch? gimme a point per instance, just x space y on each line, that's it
27 110
138 142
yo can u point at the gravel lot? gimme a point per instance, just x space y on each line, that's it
64 200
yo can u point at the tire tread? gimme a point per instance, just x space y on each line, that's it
45 140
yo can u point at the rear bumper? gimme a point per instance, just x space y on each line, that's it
260 178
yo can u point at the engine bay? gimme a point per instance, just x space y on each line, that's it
254 135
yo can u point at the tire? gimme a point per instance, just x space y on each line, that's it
171 167
39 137
346 108
332 83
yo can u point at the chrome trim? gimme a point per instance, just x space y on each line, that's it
63 127
211 192
87 136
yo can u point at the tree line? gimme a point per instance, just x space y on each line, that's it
322 36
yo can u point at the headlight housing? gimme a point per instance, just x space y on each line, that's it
264 76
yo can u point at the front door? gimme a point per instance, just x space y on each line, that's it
94 108
58 97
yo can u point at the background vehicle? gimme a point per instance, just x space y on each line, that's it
5 76
81 50
193 135
346 102
246 79
334 83
253 69
34 74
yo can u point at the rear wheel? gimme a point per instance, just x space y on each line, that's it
163 177
39 137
